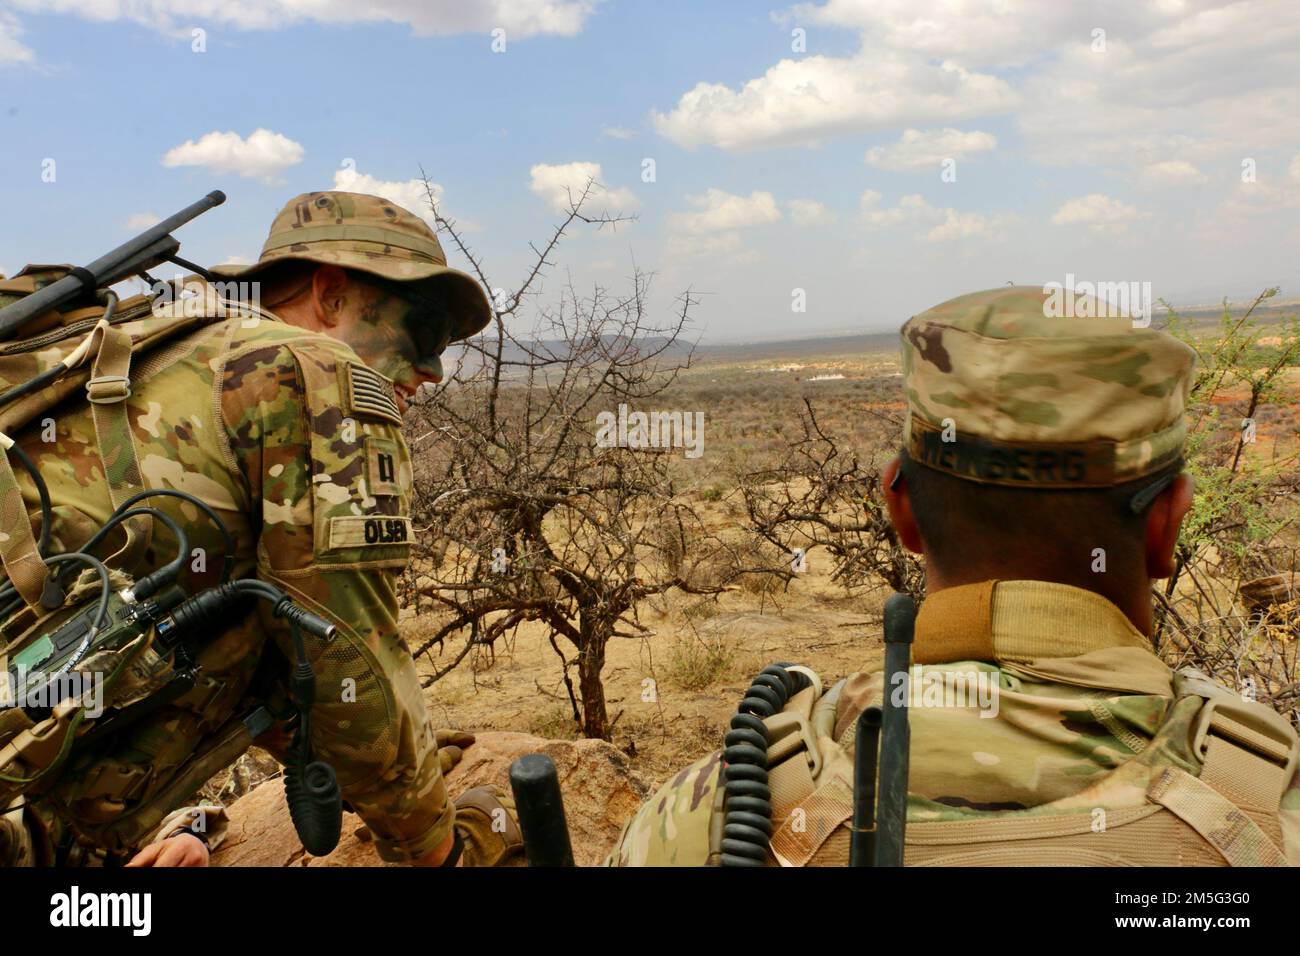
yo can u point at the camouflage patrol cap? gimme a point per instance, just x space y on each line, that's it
1005 387
370 234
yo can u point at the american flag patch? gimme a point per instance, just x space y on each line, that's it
369 393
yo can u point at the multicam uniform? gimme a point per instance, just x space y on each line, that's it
1043 728
1084 718
297 446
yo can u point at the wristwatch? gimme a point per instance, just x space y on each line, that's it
201 835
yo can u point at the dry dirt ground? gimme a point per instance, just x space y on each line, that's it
668 707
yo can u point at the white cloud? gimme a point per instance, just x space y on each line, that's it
918 149
912 208
966 225
724 247
1249 200
1098 212
561 185
974 32
809 212
1295 169
1176 78
263 155
141 221
1173 172
519 18
1197 79
946 224
712 229
719 211
13 50
803 102
617 132
410 194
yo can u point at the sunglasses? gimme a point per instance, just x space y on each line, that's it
426 322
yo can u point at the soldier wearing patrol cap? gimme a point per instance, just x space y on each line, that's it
1041 480
288 424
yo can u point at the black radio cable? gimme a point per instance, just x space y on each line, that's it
747 807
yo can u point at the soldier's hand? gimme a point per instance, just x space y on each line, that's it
184 849
451 746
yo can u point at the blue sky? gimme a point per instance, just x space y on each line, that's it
1119 163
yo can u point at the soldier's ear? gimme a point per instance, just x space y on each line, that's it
1163 521
329 294
899 505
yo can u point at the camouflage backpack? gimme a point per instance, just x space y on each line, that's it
43 617
1205 791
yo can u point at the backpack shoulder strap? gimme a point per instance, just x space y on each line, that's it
19 554
811 775
107 390
1248 754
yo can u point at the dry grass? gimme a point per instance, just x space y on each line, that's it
696 663
554 722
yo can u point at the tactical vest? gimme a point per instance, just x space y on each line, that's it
98 354
1205 791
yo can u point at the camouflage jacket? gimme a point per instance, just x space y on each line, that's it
1026 698
297 446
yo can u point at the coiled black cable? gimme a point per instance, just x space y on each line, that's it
311 788
747 809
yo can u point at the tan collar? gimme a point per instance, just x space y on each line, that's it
1018 622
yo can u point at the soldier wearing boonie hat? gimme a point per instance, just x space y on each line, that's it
1040 480
375 236
291 430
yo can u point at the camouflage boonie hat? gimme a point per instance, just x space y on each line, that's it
373 235
1002 389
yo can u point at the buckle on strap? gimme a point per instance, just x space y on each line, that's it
789 734
108 389
1252 728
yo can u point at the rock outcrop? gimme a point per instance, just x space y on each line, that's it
600 793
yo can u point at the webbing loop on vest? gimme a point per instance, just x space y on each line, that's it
117 451
1216 818
812 805
113 781
108 389
23 564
